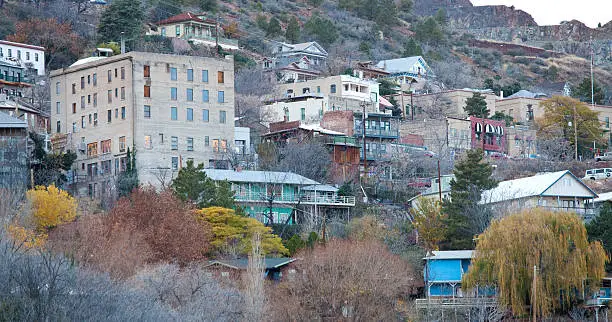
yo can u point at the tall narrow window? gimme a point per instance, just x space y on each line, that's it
303 114
95 99
122 144
122 72
175 160
222 117
82 82
174 142
190 94
95 79
190 75
123 112
206 141
173 73
147 71
109 116
147 91
221 97
147 142
58 128
173 113
58 109
57 88
73 88
205 76
189 144
35 57
122 93
189 114
220 77
73 108
147 111
205 115
109 93
109 75
82 102
173 95
204 95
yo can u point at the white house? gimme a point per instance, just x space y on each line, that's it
559 191
406 70
312 50
27 56
308 109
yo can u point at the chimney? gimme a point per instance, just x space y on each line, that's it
122 43
501 95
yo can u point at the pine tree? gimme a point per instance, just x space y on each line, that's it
476 106
121 16
472 177
128 179
412 48
600 229
293 30
583 92
274 27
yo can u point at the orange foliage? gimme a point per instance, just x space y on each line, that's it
27 237
51 206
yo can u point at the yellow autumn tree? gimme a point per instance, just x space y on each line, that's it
51 206
428 219
233 233
555 243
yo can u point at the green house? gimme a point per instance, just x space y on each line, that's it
282 197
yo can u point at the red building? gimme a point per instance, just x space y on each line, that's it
488 135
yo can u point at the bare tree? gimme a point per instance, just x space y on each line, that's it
163 176
254 283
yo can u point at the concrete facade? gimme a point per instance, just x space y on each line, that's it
306 109
25 55
167 108
447 103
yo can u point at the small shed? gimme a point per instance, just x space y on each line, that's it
444 271
234 268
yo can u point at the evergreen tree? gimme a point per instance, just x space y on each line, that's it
293 30
440 17
472 177
583 92
600 229
128 179
322 29
274 28
429 31
121 16
412 48
209 5
49 167
476 106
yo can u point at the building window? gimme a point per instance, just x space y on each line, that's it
204 95
318 89
173 73
95 99
88 79
220 77
147 111
147 71
332 88
224 146
205 115
82 102
27 55
116 92
109 75
122 144
206 140
189 144
35 57
73 108
205 76
122 72
190 75
116 73
109 116
58 128
303 114
189 114
88 99
163 31
305 90
57 88
74 127
178 30
95 79
92 149
116 113
73 88
109 95
95 119
190 94
173 95
123 93
175 161
19 54
10 54
174 142
106 146
173 113
147 142
147 91
82 82
222 116
607 122
58 109
123 112
215 145
221 97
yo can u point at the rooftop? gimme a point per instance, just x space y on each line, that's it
242 263
451 254
527 94
258 177
7 121
17 44
185 16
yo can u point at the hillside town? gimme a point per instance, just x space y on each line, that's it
172 172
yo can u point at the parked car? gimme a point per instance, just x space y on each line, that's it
596 174
607 156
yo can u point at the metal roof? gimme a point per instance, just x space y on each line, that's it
7 121
451 254
527 94
606 196
259 177
243 263
320 187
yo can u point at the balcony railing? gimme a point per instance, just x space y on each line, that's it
387 133
455 302
586 213
308 199
15 79
222 41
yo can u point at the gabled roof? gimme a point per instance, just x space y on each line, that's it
451 254
527 94
402 65
7 121
304 47
606 196
527 187
258 177
185 16
18 44
243 263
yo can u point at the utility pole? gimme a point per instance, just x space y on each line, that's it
217 34
592 78
363 137
411 105
122 43
575 135
439 181
533 302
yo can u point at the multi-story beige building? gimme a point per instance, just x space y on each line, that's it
166 108
447 103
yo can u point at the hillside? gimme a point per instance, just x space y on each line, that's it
441 30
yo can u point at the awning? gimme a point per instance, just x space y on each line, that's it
500 130
489 128
384 102
478 128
